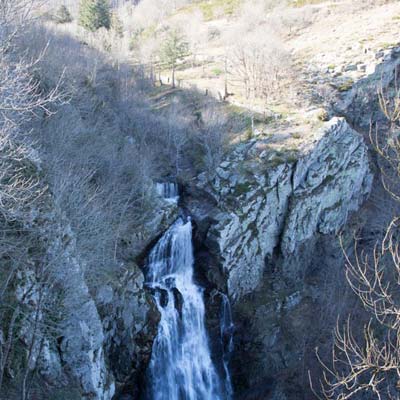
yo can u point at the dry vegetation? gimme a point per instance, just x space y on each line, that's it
89 121
82 141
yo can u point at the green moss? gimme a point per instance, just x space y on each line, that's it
344 87
292 158
242 188
277 160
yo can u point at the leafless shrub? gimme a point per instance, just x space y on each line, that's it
213 138
21 191
262 67
368 365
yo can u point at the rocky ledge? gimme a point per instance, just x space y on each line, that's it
259 204
266 235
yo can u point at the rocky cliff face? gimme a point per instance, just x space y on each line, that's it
109 354
267 234
61 327
261 207
93 346
263 238
130 322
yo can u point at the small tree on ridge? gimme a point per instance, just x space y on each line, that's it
174 49
63 15
94 14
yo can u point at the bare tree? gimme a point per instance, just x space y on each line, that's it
368 365
21 188
213 137
14 16
260 66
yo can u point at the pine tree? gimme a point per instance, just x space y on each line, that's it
174 49
116 25
63 15
94 14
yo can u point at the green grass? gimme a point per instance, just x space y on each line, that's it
387 45
217 71
288 156
302 3
241 113
211 9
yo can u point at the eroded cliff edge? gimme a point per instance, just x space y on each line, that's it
263 206
260 229
268 226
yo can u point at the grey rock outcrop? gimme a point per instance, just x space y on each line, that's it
100 345
267 227
77 357
264 206
360 105
130 321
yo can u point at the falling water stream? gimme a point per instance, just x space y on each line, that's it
226 332
181 367
167 190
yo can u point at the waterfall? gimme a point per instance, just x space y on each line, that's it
180 367
167 190
226 333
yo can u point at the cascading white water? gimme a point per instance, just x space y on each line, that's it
167 190
181 367
226 332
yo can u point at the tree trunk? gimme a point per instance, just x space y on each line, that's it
8 345
226 79
35 334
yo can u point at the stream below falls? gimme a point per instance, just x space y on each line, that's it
181 367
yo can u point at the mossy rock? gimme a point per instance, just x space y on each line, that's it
323 115
345 86
242 188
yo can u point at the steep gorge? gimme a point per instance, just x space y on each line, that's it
268 235
265 240
265 235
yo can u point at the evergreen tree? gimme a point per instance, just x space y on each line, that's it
116 25
94 14
173 50
63 15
